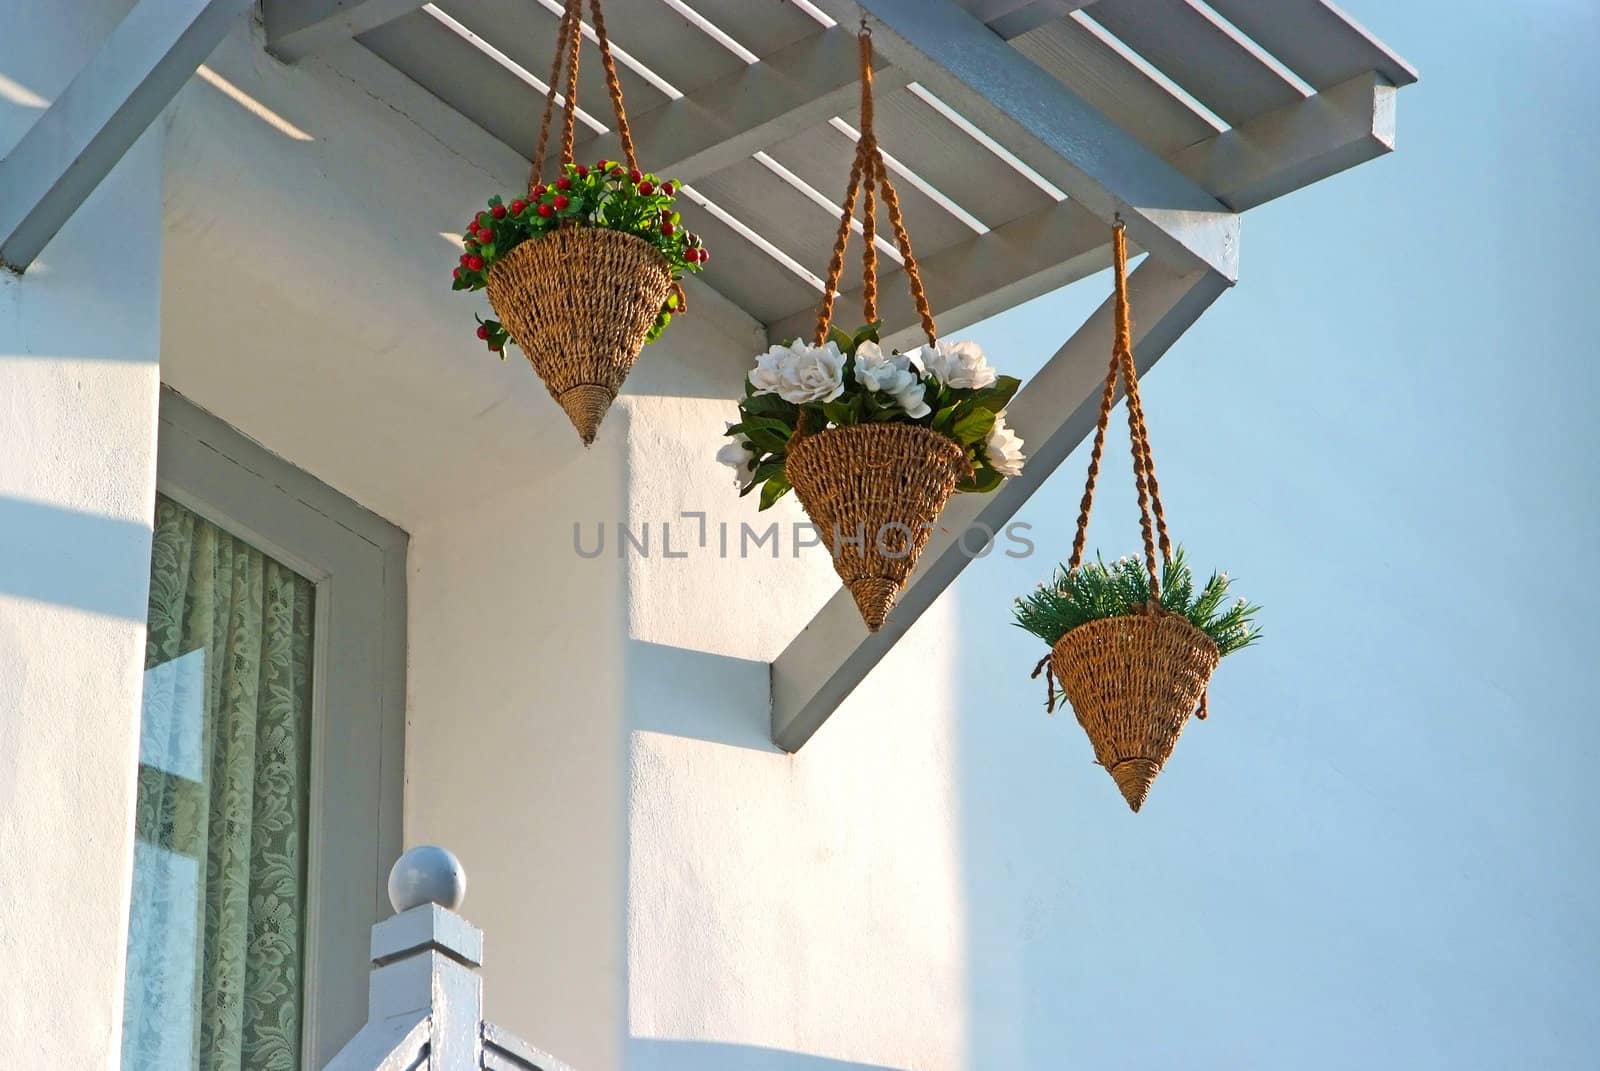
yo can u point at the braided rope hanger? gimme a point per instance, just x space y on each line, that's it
568 39
866 172
1152 518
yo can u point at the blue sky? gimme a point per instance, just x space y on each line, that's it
1381 851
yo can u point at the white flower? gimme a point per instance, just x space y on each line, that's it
957 364
1003 448
892 374
737 455
800 373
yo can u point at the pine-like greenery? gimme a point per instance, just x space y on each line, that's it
1099 590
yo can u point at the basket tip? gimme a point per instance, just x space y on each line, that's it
875 597
1134 777
586 406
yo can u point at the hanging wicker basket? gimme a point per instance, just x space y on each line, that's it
579 302
873 491
1133 682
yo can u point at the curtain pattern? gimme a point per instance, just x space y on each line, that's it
215 960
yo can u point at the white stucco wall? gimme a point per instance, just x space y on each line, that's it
79 346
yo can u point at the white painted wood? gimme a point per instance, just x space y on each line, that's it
396 1044
297 28
1051 128
423 927
514 1053
729 120
81 136
1316 40
1128 96
357 561
762 26
1266 158
1019 18
977 277
1293 147
834 652
1202 55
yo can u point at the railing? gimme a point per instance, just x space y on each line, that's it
425 997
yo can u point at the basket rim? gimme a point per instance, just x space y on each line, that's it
1159 618
583 232
953 448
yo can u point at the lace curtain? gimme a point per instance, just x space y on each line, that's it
215 959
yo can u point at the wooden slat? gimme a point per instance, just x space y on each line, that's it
1268 157
296 28
526 31
821 156
743 273
1199 54
834 653
461 76
664 41
1128 96
729 120
1315 40
762 26
1013 18
781 213
980 276
950 161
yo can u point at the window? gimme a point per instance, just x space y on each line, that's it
269 762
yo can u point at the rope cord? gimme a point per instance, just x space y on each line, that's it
867 173
569 39
1152 517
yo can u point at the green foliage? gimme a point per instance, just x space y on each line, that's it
767 422
605 195
1098 590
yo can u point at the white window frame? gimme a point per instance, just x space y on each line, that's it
357 560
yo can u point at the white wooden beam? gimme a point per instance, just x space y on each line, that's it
823 664
1295 146
1013 18
1051 128
78 140
728 121
297 28
1272 155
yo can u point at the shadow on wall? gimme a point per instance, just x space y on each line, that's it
71 558
676 682
719 1056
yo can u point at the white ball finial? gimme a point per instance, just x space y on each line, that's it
427 874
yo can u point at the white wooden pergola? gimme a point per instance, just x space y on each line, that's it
1017 129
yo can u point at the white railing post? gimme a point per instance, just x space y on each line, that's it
425 996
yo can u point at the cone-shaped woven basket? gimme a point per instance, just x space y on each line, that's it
1133 682
873 491
579 302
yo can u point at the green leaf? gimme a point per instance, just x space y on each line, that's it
842 413
974 427
774 489
868 333
944 419
982 481
843 339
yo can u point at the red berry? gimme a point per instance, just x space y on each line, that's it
668 188
601 165
483 332
485 234
562 202
498 211
545 211
703 256
667 228
616 172
583 172
464 258
517 207
563 183
496 346
634 175
538 191
456 273
645 189
475 262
